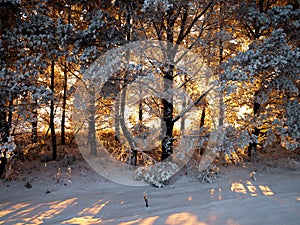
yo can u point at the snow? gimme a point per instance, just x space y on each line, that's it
87 198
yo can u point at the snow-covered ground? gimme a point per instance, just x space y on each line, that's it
87 198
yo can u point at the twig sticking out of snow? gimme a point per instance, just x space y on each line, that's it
252 176
58 175
210 174
69 173
146 199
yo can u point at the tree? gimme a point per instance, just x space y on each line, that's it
165 17
277 63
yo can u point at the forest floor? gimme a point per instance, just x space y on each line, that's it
84 197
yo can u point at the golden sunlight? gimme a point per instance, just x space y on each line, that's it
83 220
251 188
266 190
12 209
213 191
94 209
43 211
55 208
142 221
183 218
238 188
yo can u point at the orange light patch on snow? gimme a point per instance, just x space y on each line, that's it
94 209
87 220
252 189
12 209
183 218
55 208
266 190
142 221
220 194
213 191
4 204
238 188
44 211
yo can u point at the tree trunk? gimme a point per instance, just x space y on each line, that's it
125 131
202 119
168 123
4 138
5 122
3 161
182 123
141 112
64 104
253 145
92 123
34 133
52 124
117 118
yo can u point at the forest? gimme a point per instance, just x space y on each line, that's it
144 90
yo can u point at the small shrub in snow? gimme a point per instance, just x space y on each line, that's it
210 174
158 174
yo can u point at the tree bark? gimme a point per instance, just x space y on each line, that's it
117 118
168 123
125 131
52 124
202 118
92 122
4 138
182 123
34 133
256 110
64 104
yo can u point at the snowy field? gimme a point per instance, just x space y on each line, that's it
87 198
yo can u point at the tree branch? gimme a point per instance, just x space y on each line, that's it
183 112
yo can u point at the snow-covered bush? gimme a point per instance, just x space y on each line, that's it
157 174
8 146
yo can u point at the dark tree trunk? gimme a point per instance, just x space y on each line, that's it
4 134
34 133
52 124
253 145
168 123
3 161
140 112
4 138
126 132
92 123
64 104
202 119
4 126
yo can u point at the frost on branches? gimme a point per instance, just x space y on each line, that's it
8 146
272 68
157 174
